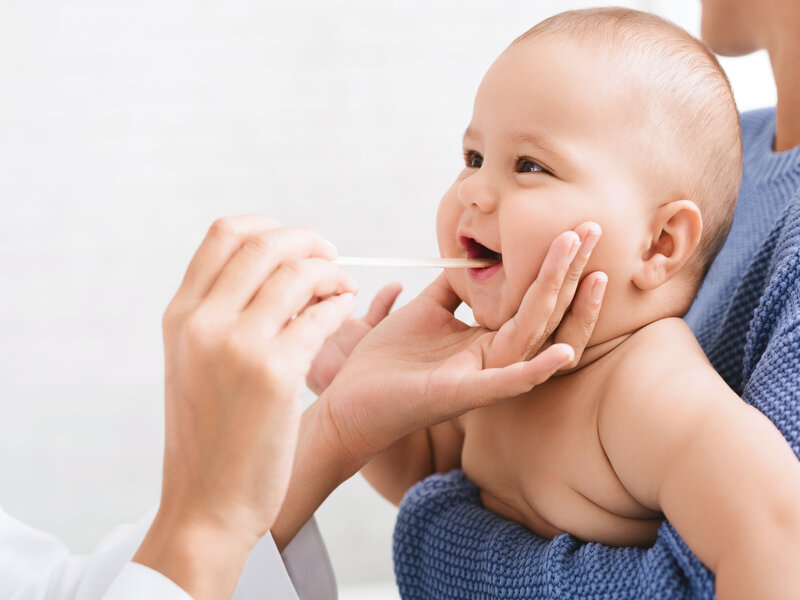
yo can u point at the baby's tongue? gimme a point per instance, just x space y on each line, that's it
478 250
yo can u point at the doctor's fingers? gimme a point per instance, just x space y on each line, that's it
522 336
589 234
488 386
291 291
578 324
223 239
441 292
261 254
303 337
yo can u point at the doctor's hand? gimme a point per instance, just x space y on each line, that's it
337 348
421 366
254 308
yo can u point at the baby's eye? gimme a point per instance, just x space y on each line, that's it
526 165
473 160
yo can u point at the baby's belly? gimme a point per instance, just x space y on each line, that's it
539 461
571 512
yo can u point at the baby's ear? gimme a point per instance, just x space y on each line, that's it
674 235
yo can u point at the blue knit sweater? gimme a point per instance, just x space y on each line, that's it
747 318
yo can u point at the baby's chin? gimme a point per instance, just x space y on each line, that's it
487 308
490 317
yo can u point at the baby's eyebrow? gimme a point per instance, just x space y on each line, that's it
471 132
537 139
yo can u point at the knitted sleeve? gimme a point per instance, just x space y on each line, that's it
772 354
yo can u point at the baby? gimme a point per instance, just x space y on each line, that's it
621 118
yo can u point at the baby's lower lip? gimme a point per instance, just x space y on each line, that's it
481 275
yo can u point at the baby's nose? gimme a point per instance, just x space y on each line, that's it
476 190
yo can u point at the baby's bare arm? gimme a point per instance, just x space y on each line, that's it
435 449
684 443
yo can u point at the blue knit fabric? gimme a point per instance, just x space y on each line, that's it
747 318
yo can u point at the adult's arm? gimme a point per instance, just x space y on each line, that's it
254 307
35 565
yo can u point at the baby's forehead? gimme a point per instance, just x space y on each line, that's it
642 81
640 56
559 87
587 66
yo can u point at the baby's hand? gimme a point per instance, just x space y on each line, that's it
338 347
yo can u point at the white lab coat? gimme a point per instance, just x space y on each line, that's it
36 566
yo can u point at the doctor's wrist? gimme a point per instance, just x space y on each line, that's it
346 454
202 557
322 463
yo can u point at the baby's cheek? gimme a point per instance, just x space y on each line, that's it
520 275
447 215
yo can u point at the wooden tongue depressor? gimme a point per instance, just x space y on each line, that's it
446 263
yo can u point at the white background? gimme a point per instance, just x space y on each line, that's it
127 127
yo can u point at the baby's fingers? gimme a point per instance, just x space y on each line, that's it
488 386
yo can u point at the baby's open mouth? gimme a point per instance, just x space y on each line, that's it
477 250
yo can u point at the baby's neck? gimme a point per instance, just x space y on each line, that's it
598 350
624 315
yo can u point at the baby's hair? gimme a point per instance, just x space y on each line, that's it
688 105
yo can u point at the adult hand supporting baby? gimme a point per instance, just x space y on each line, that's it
421 366
255 306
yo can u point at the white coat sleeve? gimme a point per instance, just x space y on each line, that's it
36 566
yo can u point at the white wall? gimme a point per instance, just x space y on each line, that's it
125 128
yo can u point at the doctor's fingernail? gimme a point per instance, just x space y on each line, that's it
599 288
330 248
590 242
351 285
573 249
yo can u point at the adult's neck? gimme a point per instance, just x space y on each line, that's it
784 54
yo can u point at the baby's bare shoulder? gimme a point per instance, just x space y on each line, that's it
659 349
659 365
659 392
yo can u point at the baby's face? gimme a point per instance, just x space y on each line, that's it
551 144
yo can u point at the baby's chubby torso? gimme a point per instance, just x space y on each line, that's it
539 458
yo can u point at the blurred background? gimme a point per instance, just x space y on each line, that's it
127 127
